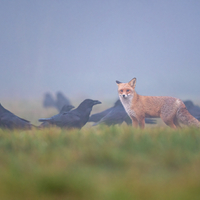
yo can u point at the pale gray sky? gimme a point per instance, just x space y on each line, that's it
82 47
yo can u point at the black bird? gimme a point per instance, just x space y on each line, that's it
61 101
48 100
65 108
10 121
194 110
76 118
98 116
115 115
57 103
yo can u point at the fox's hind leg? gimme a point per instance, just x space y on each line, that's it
176 122
168 114
168 121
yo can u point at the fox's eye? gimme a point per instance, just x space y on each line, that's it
121 90
127 90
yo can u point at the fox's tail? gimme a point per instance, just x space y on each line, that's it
186 118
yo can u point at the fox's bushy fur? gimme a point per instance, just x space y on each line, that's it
171 110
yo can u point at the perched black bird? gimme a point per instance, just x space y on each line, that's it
76 118
65 108
115 115
98 116
194 110
10 121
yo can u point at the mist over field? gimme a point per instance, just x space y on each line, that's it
82 47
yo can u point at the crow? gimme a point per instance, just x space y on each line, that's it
98 116
48 100
61 101
194 110
65 108
114 115
9 120
75 118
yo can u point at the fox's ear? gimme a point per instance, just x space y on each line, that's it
132 82
118 82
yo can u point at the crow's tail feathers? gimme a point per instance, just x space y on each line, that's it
150 121
44 119
96 123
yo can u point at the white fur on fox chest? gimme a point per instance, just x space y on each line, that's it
127 102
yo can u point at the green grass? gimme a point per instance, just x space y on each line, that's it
108 163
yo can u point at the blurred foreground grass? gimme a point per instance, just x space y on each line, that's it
100 163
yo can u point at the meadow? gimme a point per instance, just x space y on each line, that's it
101 163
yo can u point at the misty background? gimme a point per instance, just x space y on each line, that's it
82 47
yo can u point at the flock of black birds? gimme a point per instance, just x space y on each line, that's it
70 117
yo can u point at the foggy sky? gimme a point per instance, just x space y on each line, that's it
82 47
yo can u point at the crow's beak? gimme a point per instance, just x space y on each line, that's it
96 102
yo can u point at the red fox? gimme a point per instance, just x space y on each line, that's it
171 110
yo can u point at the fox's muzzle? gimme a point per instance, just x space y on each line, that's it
124 95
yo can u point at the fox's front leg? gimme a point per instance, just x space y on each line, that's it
134 122
142 122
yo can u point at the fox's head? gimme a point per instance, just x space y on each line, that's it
126 90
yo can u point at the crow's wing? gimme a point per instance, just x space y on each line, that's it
61 101
45 124
115 116
58 119
68 119
98 116
13 121
66 108
48 101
